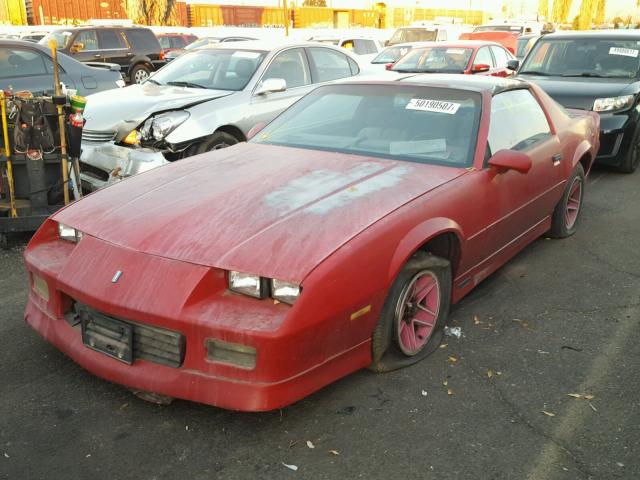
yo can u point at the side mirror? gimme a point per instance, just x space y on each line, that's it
480 67
256 129
271 85
77 47
513 64
510 160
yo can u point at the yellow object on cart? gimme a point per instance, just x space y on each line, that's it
7 153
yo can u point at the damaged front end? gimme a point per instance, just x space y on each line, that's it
140 150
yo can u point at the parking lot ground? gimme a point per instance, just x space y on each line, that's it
561 318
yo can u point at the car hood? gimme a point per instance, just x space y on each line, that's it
269 210
124 109
579 92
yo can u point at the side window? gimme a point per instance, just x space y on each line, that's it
484 57
371 46
177 42
501 56
349 45
110 40
329 64
517 121
142 40
88 38
291 65
18 62
360 47
164 42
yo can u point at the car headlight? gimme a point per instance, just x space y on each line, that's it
161 125
68 233
248 284
612 103
284 291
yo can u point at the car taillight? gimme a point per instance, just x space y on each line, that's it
161 54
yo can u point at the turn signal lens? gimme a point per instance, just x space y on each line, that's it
241 356
68 233
133 138
40 286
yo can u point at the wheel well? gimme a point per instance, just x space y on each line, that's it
235 131
586 162
445 245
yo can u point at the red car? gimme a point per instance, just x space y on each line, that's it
466 57
174 41
334 240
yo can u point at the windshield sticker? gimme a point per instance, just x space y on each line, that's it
625 52
245 54
436 145
438 106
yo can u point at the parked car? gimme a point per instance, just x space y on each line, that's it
203 42
334 240
466 57
135 49
387 57
598 71
525 43
431 33
357 45
175 41
206 99
28 66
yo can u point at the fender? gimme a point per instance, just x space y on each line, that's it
140 59
581 149
418 236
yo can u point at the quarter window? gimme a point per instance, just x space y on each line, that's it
290 65
517 121
329 65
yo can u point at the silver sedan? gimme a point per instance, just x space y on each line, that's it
206 99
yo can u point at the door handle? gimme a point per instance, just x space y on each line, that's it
556 159
97 55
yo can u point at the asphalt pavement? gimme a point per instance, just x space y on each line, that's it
561 319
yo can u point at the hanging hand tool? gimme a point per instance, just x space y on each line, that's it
7 152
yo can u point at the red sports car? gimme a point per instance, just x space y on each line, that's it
335 239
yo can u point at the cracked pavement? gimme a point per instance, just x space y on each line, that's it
562 317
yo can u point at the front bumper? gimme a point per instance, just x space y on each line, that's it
104 163
616 134
291 362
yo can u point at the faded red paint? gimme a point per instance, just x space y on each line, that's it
291 214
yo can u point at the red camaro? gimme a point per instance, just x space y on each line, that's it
336 239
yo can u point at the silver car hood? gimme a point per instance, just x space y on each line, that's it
123 109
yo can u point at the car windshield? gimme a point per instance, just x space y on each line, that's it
201 43
399 122
62 38
498 28
434 59
211 68
391 54
584 57
405 35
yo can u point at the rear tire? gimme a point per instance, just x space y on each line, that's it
567 212
411 325
215 142
139 73
632 158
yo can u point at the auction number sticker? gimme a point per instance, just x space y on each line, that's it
426 105
625 52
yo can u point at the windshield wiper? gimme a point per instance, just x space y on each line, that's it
536 72
186 84
584 74
151 80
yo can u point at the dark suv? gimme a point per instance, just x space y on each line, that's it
135 49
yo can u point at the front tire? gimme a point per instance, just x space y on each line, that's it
414 314
567 211
215 142
632 158
139 73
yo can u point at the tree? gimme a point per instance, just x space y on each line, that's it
561 10
151 12
600 11
587 10
543 9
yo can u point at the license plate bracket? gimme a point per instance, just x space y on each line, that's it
107 335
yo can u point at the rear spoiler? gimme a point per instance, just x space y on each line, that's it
114 67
